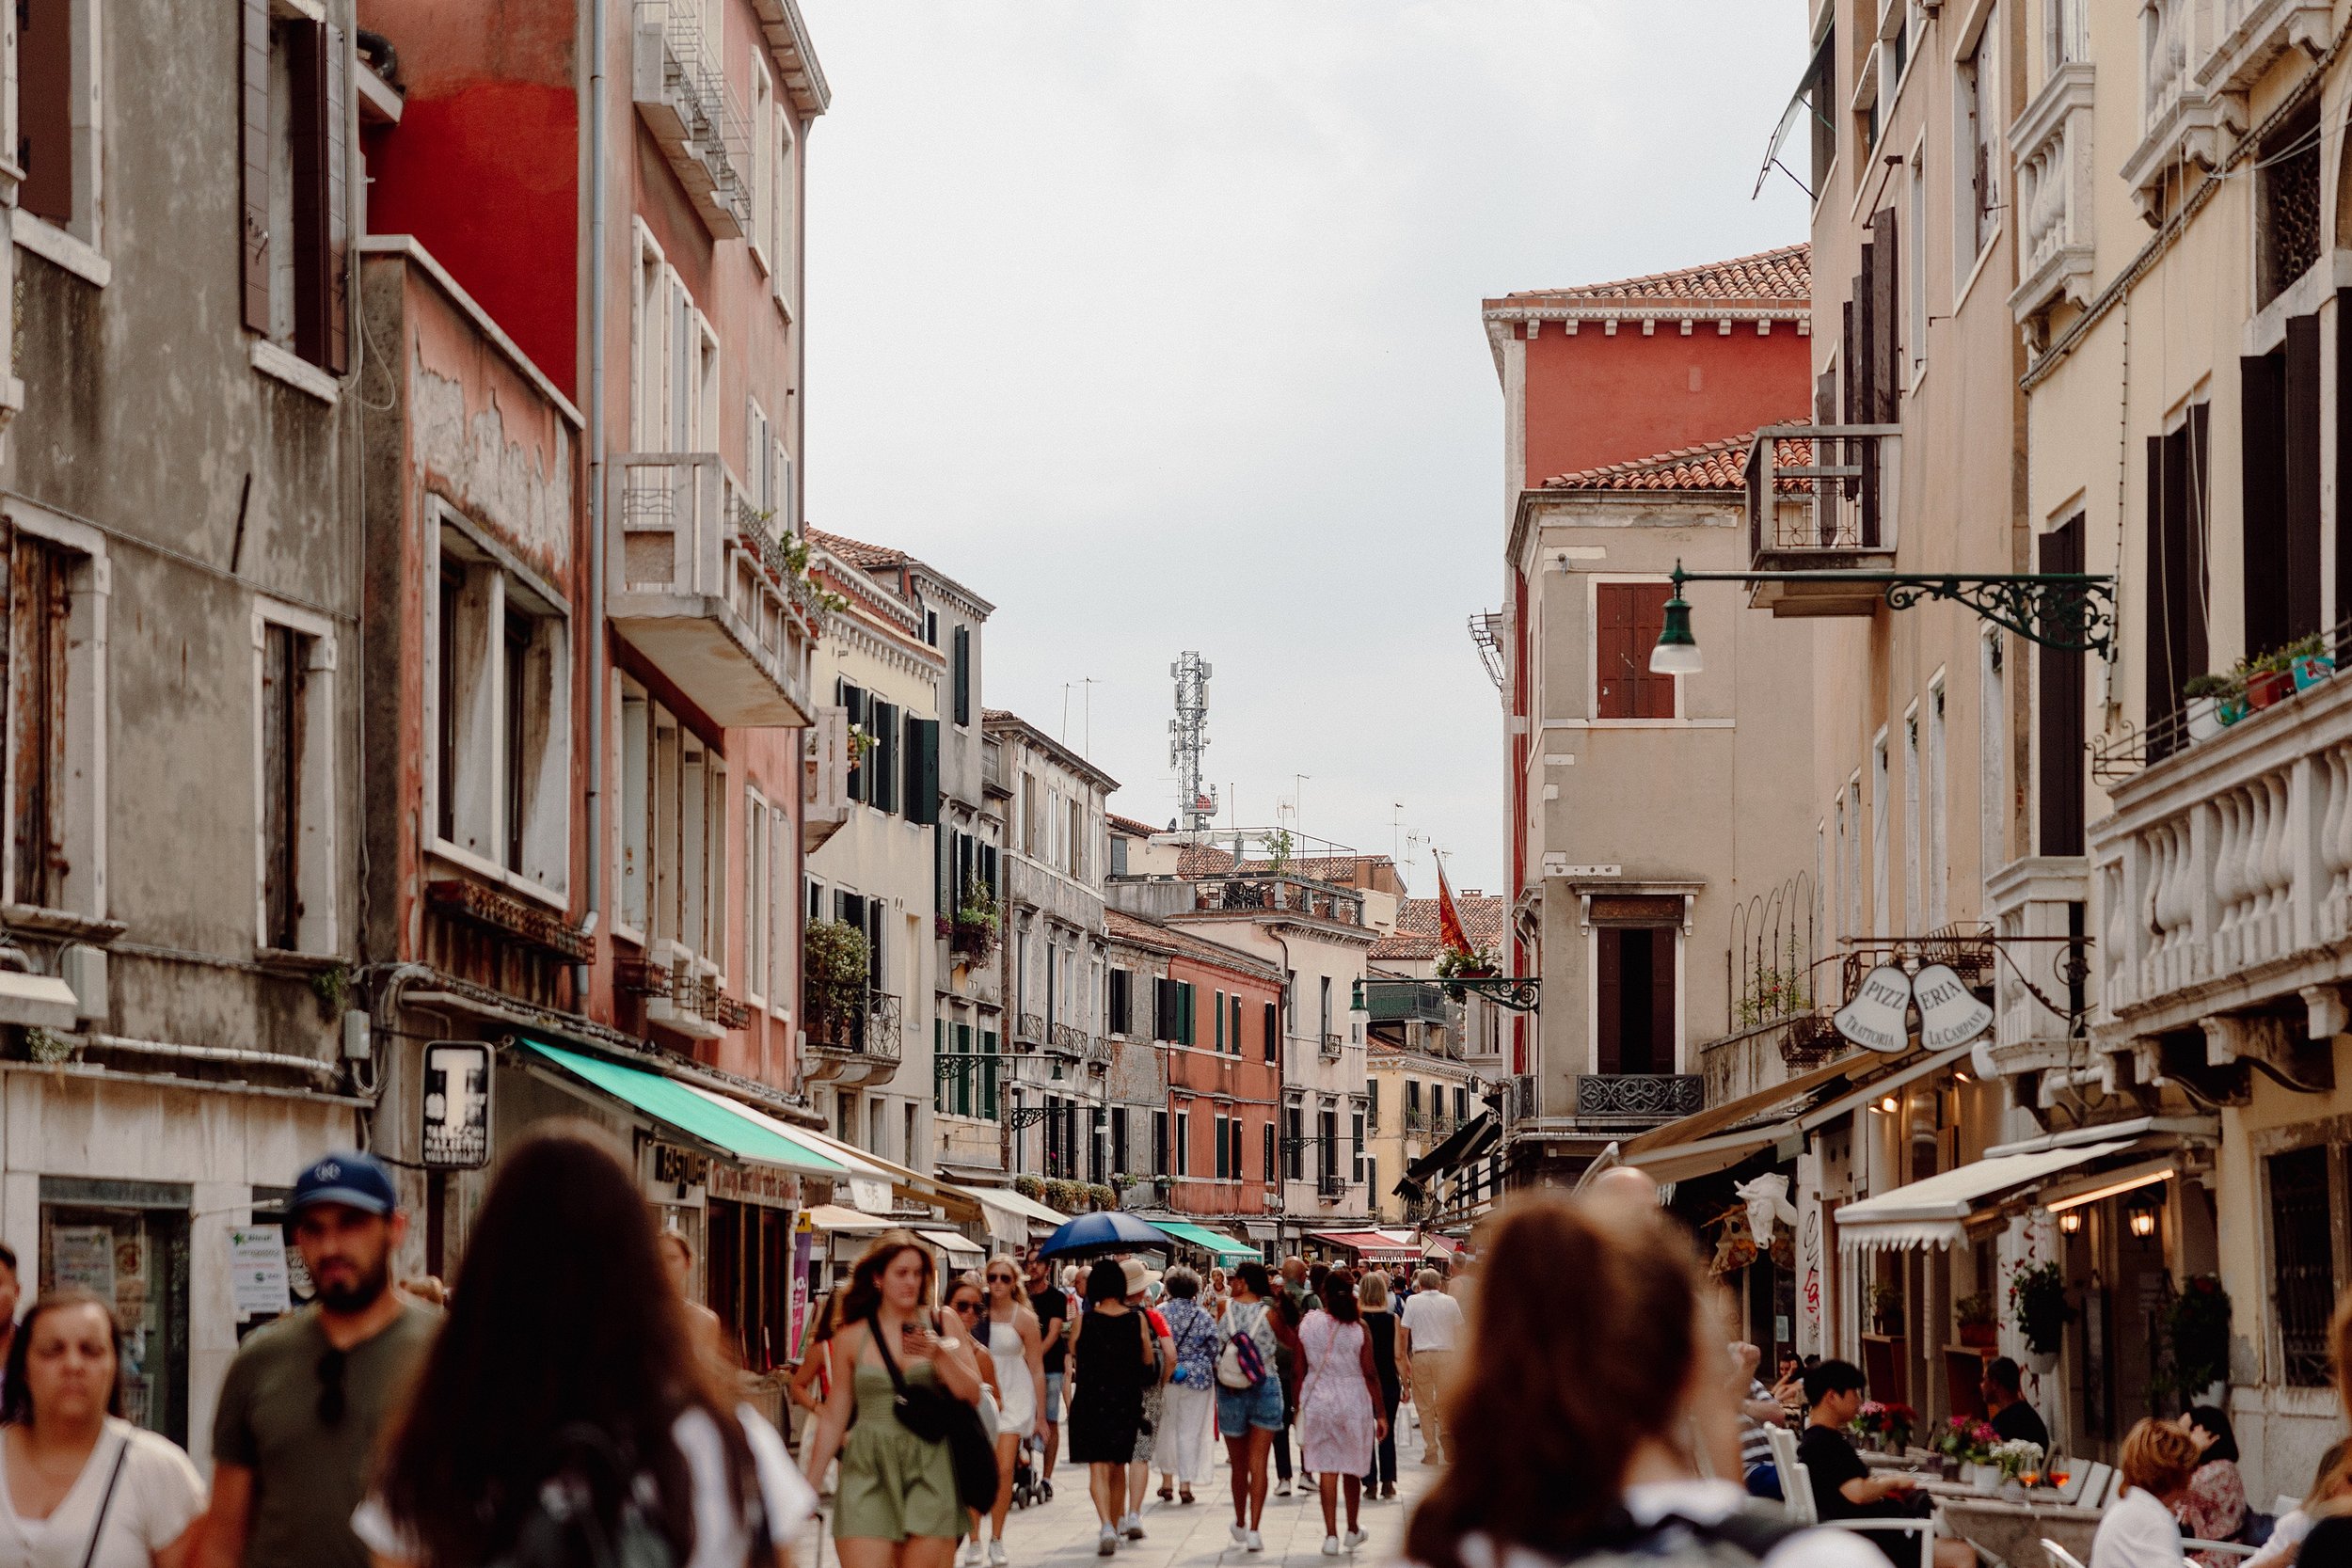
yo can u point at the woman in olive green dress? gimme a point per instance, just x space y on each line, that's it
895 1505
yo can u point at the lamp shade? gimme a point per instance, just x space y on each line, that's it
1677 650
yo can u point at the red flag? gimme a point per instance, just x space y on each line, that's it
1450 919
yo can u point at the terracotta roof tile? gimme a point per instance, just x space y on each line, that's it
1129 825
865 556
1415 933
1717 465
1124 927
1770 276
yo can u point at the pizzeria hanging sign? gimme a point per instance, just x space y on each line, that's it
1879 1016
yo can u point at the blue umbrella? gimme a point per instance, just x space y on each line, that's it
1115 1228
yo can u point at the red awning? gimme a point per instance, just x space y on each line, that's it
1370 1245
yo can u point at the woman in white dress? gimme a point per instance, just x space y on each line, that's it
84 1486
1188 1406
1340 1423
1012 1332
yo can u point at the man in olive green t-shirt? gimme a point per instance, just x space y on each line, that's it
304 1400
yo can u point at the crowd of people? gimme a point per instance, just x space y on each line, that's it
1615 1421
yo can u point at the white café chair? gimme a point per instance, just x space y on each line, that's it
2059 1556
2219 1548
2098 1483
1782 1443
1796 1490
2077 1477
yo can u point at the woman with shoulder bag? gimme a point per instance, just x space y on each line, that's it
1187 1404
1249 1397
897 1503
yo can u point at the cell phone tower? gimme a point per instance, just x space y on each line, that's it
1188 739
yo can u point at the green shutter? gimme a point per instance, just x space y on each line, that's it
939 1045
922 805
1183 1011
1218 1011
988 1074
964 1070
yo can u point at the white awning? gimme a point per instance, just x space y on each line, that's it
956 1245
833 1219
1679 1159
1935 1211
1010 1213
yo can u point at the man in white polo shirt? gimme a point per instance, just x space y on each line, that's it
1432 1332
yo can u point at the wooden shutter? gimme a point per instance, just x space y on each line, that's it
1609 951
923 774
2300 539
2059 709
253 132
1629 617
1662 1003
1272 1037
2262 461
963 674
2344 458
1183 1012
1886 316
1653 694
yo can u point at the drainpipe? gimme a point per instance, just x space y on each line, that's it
597 49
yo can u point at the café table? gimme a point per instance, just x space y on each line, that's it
2012 1528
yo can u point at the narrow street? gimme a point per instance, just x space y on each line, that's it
1063 1531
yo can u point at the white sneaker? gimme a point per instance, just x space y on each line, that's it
1132 1527
1282 1488
971 1557
997 1554
1254 1542
1240 1535
1108 1545
1331 1545
1355 1538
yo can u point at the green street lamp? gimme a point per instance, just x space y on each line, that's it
1677 650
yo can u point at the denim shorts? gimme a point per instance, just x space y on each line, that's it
1239 1409
1052 1397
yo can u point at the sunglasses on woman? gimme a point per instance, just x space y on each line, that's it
969 1308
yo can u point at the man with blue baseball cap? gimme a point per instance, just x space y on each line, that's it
303 1402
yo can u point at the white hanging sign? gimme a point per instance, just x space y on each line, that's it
1949 1013
1877 1018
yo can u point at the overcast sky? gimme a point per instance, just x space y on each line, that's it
1155 322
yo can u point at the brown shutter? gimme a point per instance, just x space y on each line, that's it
2302 425
253 97
1661 999
1653 694
2163 660
337 238
2262 461
2059 702
1886 308
1613 677
1608 984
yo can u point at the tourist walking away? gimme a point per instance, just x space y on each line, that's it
967 1306
84 1486
1012 1332
2214 1509
1248 1396
1110 1361
2004 1393
1432 1324
1285 1312
294 1432
1583 1410
1843 1487
1141 1284
567 1411
1340 1424
1188 1404
1051 1303
1380 1326
2139 1529
895 1504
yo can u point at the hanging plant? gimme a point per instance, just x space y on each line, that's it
2036 1304
838 966
1030 1187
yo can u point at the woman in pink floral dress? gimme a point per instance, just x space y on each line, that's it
2214 1508
1338 1407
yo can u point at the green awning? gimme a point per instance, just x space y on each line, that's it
700 1117
1224 1247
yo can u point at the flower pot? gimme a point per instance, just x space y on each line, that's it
1985 1478
2311 668
2042 1363
2268 687
1980 1336
2232 709
2204 717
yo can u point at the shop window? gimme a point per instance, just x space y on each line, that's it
2303 1261
127 1244
749 1250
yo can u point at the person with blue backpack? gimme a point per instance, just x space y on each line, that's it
1249 1398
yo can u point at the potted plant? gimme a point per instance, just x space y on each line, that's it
2309 661
1885 1426
1886 1308
835 968
972 934
2196 1331
2266 680
1975 1313
2205 695
1101 1195
2036 1304
1030 1187
1969 1442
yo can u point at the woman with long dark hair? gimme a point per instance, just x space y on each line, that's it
1248 1412
1340 1423
2214 1508
83 1484
568 1363
896 1504
1371 1294
1110 1361
1580 1412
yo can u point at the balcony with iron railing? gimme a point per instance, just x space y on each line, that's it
1329 1187
1276 892
682 91
1029 1029
1637 1098
1424 1002
698 584
1067 1040
1821 498
858 1046
2222 888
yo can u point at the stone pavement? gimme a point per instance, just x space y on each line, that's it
1062 1533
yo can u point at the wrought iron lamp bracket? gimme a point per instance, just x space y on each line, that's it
2070 611
1519 993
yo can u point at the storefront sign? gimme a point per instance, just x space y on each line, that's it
258 1284
1949 1013
764 1184
686 1168
82 1258
457 1134
1876 1018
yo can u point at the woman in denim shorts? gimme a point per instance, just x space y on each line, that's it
1247 1418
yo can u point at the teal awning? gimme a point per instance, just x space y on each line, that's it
704 1118
1225 1248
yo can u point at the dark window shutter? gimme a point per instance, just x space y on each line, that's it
310 75
1662 1012
2059 705
923 773
2262 461
2302 426
855 708
1185 1012
1609 952
2343 458
253 135
963 674
1272 1037
1886 315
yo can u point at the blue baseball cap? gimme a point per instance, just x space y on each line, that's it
348 1177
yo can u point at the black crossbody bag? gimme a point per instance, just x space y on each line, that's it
936 1415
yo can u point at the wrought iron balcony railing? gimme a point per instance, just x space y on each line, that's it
1646 1097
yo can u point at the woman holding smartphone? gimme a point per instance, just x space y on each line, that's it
895 1502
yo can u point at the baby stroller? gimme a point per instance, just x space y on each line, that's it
1028 1486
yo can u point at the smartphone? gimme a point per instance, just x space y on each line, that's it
909 1332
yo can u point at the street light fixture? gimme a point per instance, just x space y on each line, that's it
1677 650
